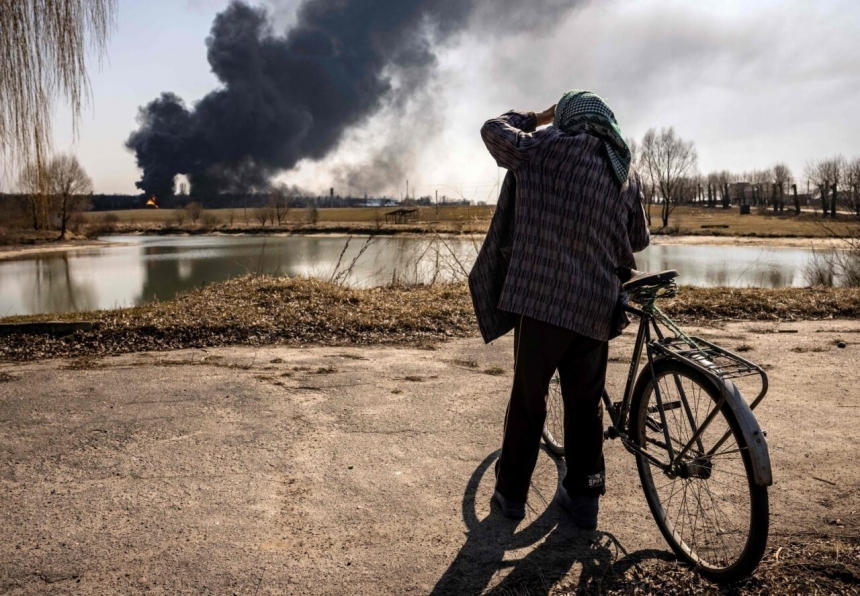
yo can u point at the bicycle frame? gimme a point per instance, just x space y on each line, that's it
618 413
701 355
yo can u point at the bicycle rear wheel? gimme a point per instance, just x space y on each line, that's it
708 508
553 428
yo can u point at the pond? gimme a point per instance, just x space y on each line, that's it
134 270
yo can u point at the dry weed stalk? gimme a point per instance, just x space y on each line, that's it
340 277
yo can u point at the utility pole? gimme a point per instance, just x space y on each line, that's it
437 205
407 190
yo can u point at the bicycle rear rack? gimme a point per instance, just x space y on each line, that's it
713 360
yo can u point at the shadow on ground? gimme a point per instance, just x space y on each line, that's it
562 549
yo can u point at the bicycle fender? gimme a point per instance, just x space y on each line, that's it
753 434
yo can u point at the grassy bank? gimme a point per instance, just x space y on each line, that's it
449 219
462 219
262 310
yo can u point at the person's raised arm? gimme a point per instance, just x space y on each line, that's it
637 225
509 137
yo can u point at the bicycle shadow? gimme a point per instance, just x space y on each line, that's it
562 546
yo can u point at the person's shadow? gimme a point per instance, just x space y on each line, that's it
561 545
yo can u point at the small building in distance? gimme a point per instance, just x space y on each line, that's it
401 216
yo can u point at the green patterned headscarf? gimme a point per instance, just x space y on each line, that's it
580 111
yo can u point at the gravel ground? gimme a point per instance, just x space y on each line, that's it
364 470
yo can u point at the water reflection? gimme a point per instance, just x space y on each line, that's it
734 266
775 278
45 284
141 269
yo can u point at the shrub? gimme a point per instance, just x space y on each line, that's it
209 219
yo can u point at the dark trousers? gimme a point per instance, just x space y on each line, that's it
540 349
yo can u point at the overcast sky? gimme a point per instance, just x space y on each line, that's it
752 82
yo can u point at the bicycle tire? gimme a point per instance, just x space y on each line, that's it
553 428
709 531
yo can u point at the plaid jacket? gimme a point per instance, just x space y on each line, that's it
571 227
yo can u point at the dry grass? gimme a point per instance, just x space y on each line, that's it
263 310
695 221
476 219
802 564
702 305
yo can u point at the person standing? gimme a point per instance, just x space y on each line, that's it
570 214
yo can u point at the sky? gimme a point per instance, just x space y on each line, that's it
751 82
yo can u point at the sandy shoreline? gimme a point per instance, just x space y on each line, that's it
794 242
18 251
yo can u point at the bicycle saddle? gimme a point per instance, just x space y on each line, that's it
632 279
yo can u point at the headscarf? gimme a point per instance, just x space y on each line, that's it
580 111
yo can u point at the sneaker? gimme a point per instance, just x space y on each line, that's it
582 508
510 509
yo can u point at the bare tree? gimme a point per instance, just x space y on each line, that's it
313 214
647 176
762 189
264 214
852 181
688 190
713 182
60 190
815 176
843 264
280 205
701 183
31 183
194 209
43 50
209 219
669 162
782 178
70 188
724 178
648 198
826 175
635 150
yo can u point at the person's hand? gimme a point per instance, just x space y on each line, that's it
545 117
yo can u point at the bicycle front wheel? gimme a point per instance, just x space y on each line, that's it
553 428
707 505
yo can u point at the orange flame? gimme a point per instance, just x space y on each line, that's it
152 202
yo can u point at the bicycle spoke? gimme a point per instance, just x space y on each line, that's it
726 522
554 423
707 526
728 452
715 527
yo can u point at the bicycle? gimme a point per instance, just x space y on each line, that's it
701 455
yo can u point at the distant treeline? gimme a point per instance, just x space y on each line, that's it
120 202
227 201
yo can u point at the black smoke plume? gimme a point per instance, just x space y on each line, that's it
287 97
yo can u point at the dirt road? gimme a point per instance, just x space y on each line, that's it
360 471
